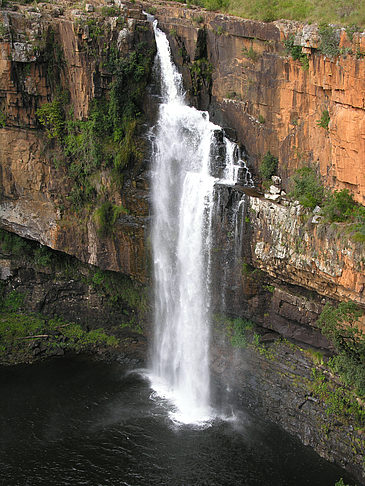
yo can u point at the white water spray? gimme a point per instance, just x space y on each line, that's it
182 195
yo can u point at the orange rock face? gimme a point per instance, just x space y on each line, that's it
35 190
319 258
274 103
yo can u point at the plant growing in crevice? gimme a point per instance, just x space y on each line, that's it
2 119
324 120
307 188
106 216
296 51
340 325
268 166
251 53
339 206
42 256
201 75
351 30
52 116
110 11
111 136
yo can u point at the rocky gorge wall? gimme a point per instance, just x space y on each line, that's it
275 102
288 266
46 52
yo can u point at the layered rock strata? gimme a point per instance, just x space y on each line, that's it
275 102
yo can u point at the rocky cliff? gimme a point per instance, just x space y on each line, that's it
53 178
76 101
275 102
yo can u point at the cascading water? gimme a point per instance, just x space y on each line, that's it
189 157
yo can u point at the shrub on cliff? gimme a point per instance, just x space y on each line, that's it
296 51
339 206
323 122
268 167
106 216
330 40
52 117
307 188
339 325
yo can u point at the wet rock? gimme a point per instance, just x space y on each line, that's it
218 154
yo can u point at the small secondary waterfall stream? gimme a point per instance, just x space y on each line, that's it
190 156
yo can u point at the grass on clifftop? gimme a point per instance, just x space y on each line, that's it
343 12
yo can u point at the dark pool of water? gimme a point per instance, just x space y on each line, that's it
73 421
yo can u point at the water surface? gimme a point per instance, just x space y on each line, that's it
73 421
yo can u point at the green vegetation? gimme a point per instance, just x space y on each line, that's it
13 244
110 11
316 356
341 483
110 138
324 120
216 4
52 116
339 206
268 167
19 330
199 19
42 256
339 325
307 188
3 30
120 291
251 53
336 207
13 301
340 401
47 47
2 119
93 26
151 10
296 52
106 216
124 298
330 40
117 290
344 12
201 75
238 330
261 119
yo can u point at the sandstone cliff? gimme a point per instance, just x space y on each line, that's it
45 52
275 102
286 267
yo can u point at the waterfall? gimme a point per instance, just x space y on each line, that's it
190 155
